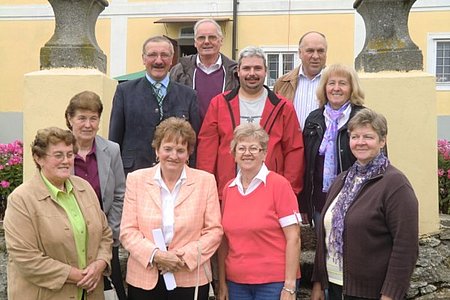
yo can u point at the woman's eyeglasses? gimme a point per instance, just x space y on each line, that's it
60 155
251 149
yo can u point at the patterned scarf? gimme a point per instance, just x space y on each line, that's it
327 146
348 193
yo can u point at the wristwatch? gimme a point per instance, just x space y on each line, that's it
290 291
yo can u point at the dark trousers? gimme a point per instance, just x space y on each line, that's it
335 293
116 275
159 292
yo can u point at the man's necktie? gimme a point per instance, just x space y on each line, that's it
157 88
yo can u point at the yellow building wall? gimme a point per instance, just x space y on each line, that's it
420 24
408 103
287 30
443 103
21 55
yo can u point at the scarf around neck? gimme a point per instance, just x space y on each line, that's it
351 187
327 146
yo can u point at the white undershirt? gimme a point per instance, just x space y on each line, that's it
168 200
251 109
335 274
305 99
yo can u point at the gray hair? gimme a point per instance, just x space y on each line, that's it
252 51
158 39
199 22
249 130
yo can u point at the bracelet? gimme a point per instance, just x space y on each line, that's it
292 292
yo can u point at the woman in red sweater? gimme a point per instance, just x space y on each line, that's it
260 252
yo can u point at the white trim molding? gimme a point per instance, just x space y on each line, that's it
432 38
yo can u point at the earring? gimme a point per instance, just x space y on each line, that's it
187 162
157 159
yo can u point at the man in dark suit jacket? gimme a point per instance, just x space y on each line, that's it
140 105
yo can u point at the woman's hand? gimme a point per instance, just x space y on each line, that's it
285 295
317 293
92 275
169 261
74 275
223 291
383 297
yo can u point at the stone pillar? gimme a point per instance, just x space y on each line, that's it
388 45
46 96
73 45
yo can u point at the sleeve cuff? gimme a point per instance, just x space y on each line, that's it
295 218
152 257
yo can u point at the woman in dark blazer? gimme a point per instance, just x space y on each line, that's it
327 151
98 161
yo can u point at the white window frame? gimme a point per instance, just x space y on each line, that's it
432 40
281 50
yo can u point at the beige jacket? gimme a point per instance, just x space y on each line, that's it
286 85
41 245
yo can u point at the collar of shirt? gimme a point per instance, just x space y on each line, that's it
91 152
211 68
302 74
261 177
164 82
54 190
159 180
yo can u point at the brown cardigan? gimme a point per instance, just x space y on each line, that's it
380 238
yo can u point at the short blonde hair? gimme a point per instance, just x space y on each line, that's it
175 129
249 130
357 94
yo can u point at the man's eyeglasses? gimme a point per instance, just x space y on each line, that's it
251 149
202 38
154 55
60 155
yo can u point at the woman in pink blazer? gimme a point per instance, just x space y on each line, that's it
180 202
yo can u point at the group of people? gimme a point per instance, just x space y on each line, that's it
225 170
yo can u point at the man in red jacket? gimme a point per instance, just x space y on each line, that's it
251 102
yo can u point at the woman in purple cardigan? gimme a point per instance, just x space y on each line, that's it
368 235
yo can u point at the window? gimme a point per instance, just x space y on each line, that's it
279 63
438 59
443 61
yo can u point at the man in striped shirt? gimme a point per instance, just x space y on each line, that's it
299 85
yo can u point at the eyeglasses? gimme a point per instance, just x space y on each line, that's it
60 155
202 38
154 55
251 149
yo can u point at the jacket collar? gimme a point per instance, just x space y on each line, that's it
187 188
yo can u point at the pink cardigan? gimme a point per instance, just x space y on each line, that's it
197 220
